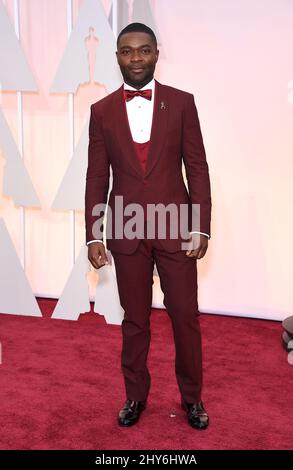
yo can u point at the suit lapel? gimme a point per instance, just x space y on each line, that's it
159 126
158 130
124 132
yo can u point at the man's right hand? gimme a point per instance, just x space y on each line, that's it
97 254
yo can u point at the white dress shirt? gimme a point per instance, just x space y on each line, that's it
140 113
140 116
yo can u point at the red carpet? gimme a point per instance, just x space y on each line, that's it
61 386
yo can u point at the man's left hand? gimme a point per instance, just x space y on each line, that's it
198 246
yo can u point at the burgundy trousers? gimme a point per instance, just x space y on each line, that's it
178 279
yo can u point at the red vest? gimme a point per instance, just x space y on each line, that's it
142 152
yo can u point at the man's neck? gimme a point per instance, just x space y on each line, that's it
138 86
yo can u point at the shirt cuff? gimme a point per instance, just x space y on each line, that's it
203 233
93 241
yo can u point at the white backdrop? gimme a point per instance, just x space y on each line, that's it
237 59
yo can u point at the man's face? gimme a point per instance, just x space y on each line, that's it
137 56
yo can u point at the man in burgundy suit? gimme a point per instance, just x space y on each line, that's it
144 130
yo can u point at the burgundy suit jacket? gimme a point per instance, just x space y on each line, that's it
175 136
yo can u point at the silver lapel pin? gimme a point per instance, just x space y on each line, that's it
163 106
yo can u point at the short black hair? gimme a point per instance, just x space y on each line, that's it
138 28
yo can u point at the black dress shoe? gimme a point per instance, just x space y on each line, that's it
196 415
131 412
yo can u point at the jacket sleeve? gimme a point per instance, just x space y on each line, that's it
97 178
196 166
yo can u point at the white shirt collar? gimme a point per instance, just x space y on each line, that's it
148 86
